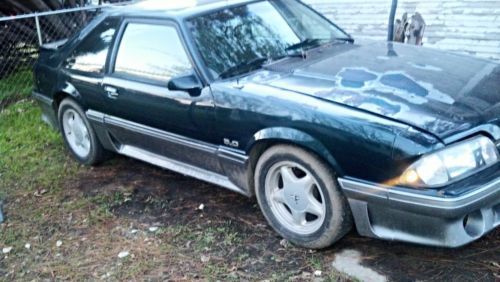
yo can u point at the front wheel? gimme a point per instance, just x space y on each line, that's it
300 198
78 134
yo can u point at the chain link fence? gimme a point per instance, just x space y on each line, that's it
20 39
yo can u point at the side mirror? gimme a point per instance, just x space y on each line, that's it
188 83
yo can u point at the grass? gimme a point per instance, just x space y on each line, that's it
34 173
41 208
15 87
29 147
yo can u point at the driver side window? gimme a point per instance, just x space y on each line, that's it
151 52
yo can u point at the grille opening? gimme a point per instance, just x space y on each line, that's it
473 224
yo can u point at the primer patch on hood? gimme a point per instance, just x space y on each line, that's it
398 83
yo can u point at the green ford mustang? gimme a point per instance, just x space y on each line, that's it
270 99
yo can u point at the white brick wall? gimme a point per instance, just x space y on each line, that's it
466 26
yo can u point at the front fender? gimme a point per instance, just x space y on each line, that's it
297 137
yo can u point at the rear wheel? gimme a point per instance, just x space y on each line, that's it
300 198
78 134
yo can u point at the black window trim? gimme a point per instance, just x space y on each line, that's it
151 21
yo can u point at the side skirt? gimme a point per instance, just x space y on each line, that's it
231 165
179 167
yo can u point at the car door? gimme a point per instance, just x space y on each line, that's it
84 66
143 113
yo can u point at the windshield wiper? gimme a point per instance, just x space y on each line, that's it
244 67
308 42
346 39
314 42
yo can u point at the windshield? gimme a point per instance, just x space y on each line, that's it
240 39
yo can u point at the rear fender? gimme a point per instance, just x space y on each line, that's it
67 89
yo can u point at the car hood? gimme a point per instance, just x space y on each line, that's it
439 92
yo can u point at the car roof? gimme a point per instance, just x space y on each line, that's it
175 9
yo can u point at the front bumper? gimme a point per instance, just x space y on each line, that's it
401 214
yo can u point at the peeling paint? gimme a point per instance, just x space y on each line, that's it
398 83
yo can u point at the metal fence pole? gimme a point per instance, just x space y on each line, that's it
38 30
392 15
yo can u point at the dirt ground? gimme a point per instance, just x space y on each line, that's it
157 197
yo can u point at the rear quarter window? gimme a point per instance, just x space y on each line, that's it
91 53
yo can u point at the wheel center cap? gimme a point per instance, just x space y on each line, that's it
295 199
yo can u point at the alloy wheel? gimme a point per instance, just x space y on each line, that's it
295 198
76 133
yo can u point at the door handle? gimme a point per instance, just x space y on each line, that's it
111 92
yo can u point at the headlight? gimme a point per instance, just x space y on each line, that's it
452 163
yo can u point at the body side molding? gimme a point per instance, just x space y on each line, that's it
180 167
164 135
233 163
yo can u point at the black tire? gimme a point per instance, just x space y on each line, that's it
97 153
337 219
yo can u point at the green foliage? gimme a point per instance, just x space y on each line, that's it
31 154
